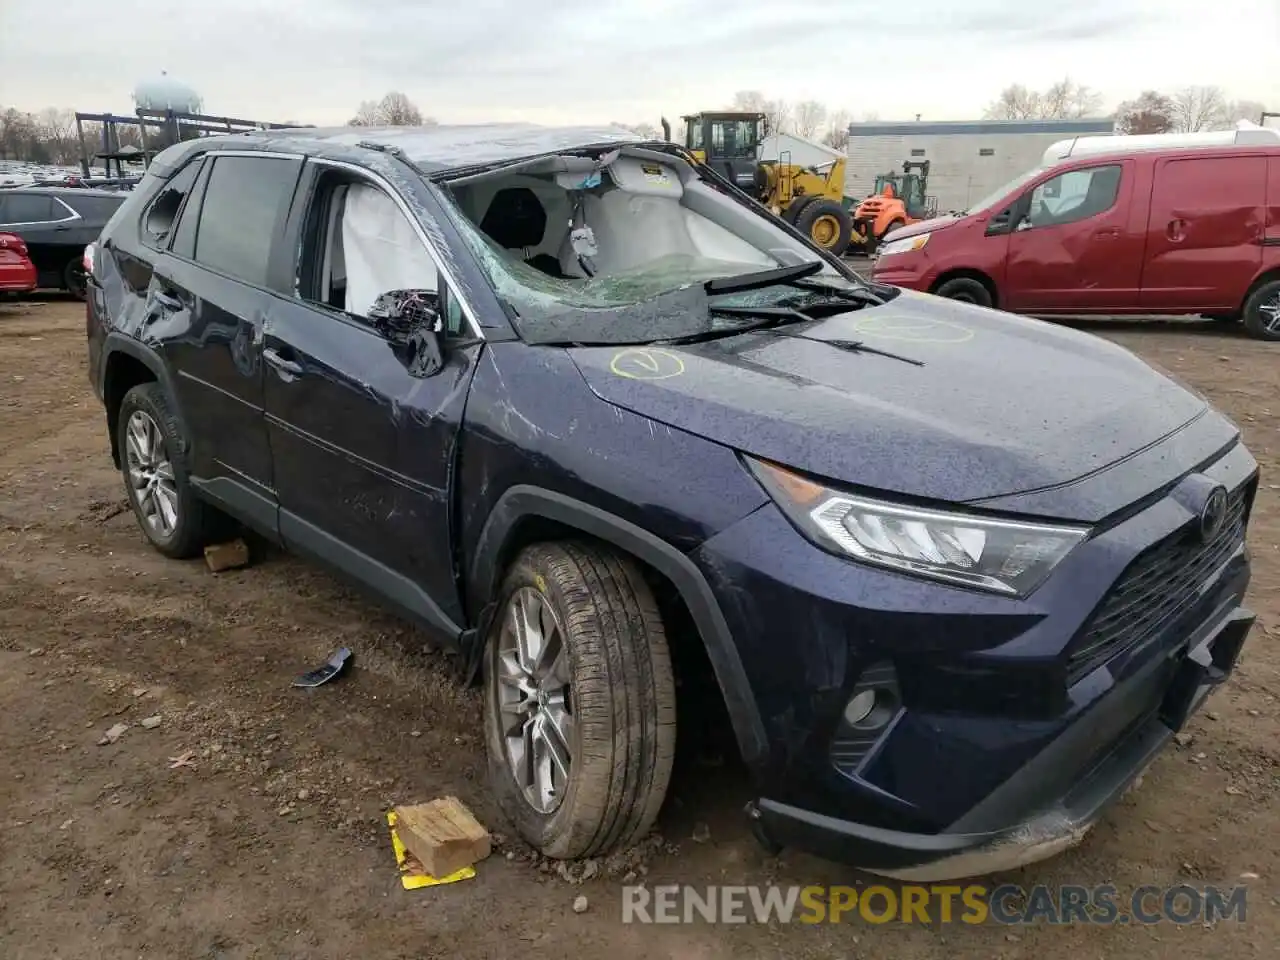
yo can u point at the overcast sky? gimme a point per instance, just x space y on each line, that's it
566 61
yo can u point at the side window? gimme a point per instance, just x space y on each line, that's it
358 245
695 135
184 234
244 205
1074 196
94 209
29 208
157 221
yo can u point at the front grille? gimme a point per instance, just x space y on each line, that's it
1155 591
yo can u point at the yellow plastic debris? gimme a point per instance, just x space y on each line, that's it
412 876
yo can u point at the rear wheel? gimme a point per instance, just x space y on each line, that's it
75 279
1262 312
828 224
966 290
153 462
579 701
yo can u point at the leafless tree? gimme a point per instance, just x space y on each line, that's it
778 114
810 116
1250 110
837 135
393 110
1199 108
1064 100
1149 112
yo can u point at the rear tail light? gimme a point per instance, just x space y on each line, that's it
9 241
89 252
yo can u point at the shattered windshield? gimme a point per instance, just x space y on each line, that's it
621 254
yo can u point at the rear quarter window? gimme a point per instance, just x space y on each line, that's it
94 209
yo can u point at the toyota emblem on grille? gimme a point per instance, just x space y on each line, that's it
1213 515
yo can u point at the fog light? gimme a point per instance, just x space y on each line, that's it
860 707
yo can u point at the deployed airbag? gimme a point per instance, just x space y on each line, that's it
381 250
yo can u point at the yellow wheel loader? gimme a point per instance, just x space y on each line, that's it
810 198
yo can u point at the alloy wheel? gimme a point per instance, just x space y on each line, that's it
1270 311
151 474
533 694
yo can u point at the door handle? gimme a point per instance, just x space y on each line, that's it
1107 233
1176 230
280 363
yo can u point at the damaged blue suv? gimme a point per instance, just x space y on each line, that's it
575 403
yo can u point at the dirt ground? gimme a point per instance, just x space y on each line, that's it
271 843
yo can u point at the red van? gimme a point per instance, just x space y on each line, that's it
1172 224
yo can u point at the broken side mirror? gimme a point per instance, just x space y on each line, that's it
411 322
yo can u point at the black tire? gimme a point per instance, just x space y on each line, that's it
621 695
74 279
893 225
1262 312
822 210
966 290
197 523
795 207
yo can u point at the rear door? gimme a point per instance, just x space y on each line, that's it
207 305
1074 247
1204 232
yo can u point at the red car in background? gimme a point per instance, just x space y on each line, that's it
17 272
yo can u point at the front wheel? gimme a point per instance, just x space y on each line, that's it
828 224
579 708
966 290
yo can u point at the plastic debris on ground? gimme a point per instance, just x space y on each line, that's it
323 674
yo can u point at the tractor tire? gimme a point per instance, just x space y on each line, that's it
827 224
966 290
795 207
1262 312
893 225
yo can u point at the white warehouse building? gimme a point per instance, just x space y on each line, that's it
967 159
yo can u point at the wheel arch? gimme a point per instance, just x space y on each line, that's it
527 514
125 364
968 273
1266 276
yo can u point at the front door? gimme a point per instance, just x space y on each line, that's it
1204 232
364 441
1073 247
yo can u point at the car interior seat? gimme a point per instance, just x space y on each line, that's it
517 221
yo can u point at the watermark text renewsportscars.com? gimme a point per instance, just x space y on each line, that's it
971 904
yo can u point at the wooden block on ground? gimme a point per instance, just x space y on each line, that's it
227 556
442 835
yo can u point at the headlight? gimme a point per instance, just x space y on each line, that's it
906 245
1004 556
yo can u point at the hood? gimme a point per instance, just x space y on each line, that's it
922 226
1002 404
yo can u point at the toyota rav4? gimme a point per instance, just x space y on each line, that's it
555 393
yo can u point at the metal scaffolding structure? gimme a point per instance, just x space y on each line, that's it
157 129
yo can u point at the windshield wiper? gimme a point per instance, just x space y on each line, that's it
766 317
769 317
848 294
762 278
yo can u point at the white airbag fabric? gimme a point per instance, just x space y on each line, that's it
381 250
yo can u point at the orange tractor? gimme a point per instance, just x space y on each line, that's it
898 199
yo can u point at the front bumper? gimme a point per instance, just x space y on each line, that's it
1167 691
1016 721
